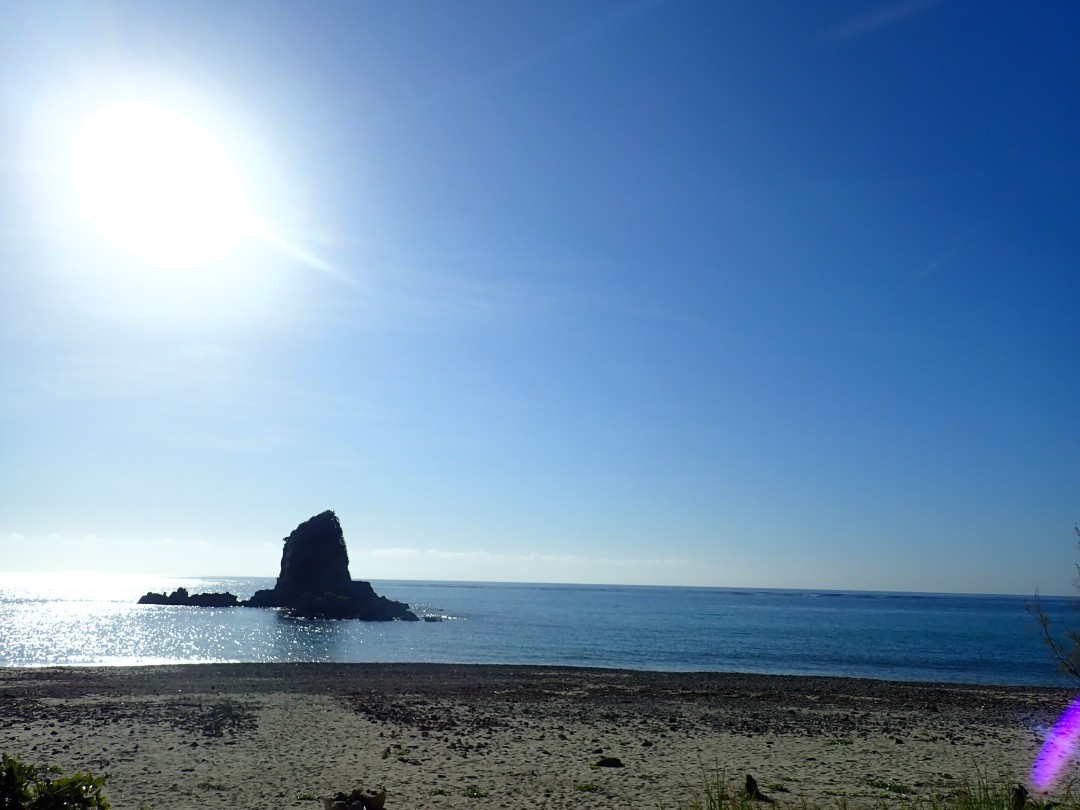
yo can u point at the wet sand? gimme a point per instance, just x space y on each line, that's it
265 735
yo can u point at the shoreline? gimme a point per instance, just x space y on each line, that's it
235 735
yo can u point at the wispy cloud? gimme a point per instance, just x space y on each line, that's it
941 260
882 18
569 559
547 53
137 372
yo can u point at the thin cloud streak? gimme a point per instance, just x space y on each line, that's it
883 18
530 557
502 75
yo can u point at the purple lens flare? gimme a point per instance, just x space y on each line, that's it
1059 747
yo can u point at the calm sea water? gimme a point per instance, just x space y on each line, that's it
61 619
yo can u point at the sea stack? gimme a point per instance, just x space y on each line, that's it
315 581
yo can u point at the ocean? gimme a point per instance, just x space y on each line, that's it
67 619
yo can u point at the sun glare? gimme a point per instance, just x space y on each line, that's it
158 185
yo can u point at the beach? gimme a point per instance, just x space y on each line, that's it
478 736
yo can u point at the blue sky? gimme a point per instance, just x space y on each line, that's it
732 294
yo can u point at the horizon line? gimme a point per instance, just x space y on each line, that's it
817 590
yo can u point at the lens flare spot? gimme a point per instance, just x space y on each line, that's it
1059 747
158 185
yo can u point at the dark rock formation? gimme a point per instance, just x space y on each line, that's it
314 561
315 581
154 598
181 597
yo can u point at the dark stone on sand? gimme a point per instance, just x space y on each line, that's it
609 762
367 799
753 792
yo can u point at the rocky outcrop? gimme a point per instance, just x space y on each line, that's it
314 581
181 597
314 561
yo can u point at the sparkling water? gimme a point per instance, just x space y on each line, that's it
65 619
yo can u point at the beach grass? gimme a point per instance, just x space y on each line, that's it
719 793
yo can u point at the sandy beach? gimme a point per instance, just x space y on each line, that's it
276 735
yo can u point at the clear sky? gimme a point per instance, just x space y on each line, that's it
714 293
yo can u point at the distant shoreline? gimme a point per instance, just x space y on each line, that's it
529 735
141 675
258 671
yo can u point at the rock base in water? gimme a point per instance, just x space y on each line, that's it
181 597
314 581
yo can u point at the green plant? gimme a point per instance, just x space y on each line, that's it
714 795
23 787
1067 651
982 795
16 781
405 755
892 787
587 787
306 796
718 794
474 792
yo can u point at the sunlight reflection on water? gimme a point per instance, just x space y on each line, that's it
40 633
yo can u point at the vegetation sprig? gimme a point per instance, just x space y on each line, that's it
24 787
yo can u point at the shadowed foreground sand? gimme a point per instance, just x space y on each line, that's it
260 735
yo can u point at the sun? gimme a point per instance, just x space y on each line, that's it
158 185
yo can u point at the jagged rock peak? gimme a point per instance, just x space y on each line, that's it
315 558
315 580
